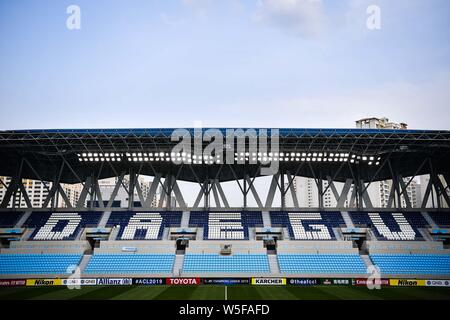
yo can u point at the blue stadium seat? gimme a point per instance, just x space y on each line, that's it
412 264
225 225
37 263
9 219
251 263
308 225
392 226
130 263
143 225
60 225
321 264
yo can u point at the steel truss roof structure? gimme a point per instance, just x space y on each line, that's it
57 156
45 150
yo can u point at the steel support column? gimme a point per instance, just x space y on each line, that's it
131 187
272 190
115 190
283 192
152 191
251 187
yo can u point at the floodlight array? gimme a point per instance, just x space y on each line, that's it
239 157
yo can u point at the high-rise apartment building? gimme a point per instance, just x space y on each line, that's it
37 193
307 190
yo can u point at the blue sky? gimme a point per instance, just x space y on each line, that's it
232 63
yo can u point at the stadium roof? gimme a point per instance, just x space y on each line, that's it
40 153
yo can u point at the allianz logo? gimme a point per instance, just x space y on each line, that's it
118 281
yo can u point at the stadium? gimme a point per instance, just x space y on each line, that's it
104 249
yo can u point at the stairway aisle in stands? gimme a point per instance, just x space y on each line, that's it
114 233
430 221
104 219
178 264
273 264
286 235
22 219
266 219
424 233
347 219
185 219
84 262
366 259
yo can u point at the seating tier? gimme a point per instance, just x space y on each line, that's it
143 225
37 263
308 225
239 263
225 225
130 264
413 264
321 264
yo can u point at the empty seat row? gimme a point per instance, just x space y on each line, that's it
321 264
412 264
237 263
9 219
38 263
442 219
130 264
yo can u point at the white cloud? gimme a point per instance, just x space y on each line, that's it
420 105
170 20
300 17
200 7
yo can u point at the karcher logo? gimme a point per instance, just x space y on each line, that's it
269 281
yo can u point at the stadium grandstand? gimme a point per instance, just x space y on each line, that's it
210 238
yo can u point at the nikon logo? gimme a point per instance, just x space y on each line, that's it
407 282
43 282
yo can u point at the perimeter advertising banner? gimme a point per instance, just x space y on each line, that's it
364 282
407 282
43 282
226 281
337 282
79 282
114 281
437 283
183 281
269 281
12 282
303 281
148 281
